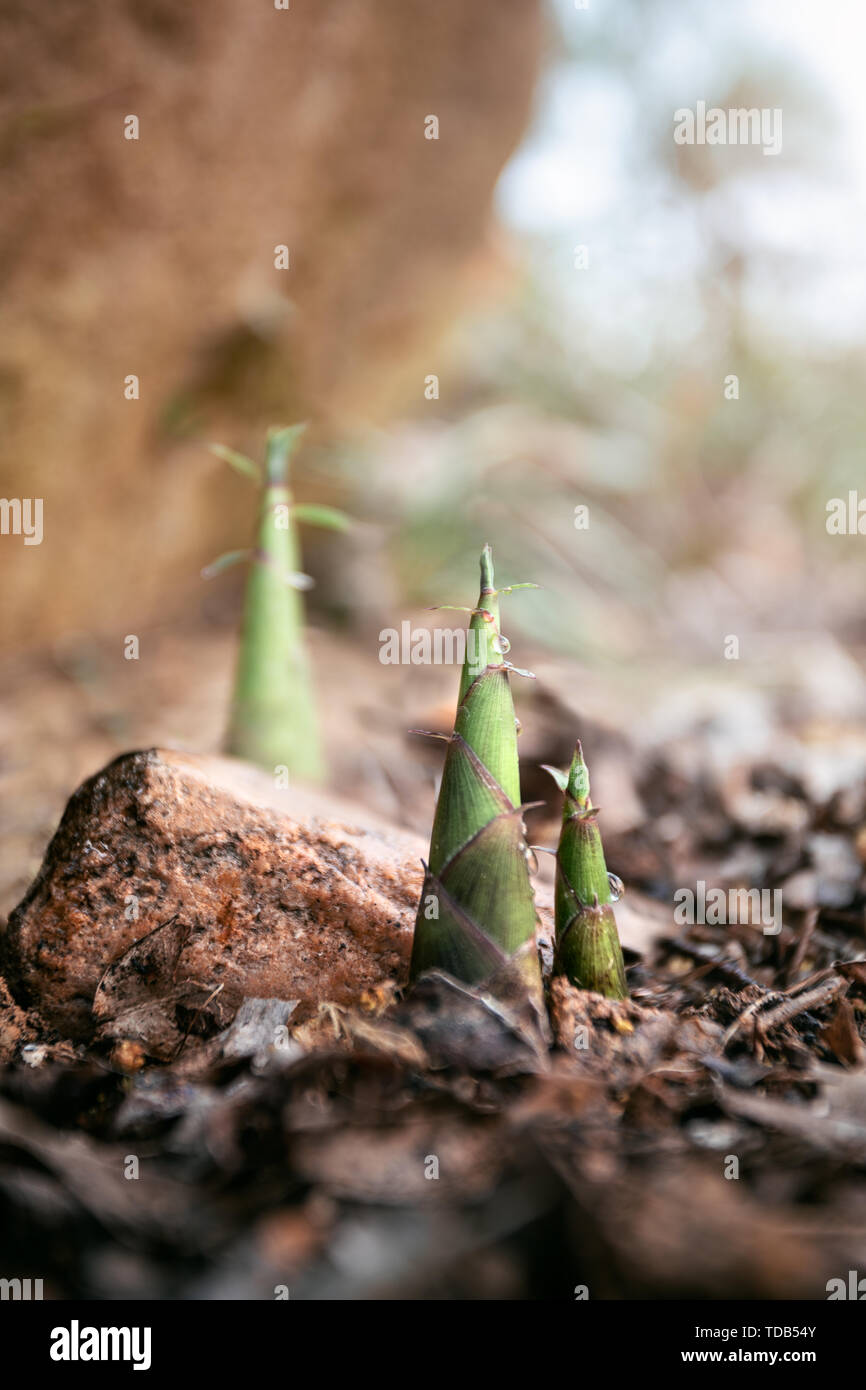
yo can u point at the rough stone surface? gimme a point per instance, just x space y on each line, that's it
16 1028
178 886
238 887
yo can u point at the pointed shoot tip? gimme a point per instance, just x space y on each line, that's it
487 584
281 444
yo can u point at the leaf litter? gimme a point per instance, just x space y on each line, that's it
704 1138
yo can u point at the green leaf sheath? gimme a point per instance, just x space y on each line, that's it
476 918
273 717
588 950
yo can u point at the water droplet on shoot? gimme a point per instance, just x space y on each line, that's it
617 887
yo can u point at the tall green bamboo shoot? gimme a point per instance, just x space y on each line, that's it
273 716
476 919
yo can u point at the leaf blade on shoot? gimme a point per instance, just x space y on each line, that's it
317 514
225 562
239 462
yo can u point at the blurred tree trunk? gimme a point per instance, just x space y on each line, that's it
155 257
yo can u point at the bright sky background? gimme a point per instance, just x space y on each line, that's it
580 178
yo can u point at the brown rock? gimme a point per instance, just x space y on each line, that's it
181 885
176 886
